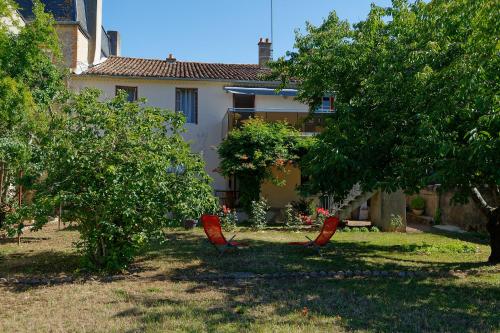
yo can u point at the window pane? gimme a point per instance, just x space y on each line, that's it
130 91
186 101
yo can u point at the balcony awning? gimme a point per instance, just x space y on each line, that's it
261 91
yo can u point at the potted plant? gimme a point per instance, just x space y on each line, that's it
417 205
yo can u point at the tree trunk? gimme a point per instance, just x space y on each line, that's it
493 225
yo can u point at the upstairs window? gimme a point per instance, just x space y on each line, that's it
186 101
328 104
130 91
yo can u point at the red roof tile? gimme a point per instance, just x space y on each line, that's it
150 68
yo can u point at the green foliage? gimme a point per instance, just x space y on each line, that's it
438 216
123 173
228 219
251 152
396 222
416 97
292 219
305 206
31 86
417 203
374 229
364 229
258 215
426 248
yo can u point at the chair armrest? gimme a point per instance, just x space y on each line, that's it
309 239
231 239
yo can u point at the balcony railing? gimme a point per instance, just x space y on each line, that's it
302 120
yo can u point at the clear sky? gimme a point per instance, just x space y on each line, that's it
225 31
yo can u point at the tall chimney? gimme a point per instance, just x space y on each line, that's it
94 14
265 52
116 43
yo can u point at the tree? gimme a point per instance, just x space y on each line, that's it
31 85
417 100
250 153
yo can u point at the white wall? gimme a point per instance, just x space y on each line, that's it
213 103
13 23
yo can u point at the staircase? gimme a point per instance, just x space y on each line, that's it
353 200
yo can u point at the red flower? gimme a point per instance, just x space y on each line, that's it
225 210
322 211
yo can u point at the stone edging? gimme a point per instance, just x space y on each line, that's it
243 276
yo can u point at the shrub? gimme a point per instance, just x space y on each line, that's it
321 215
292 220
355 229
124 173
305 207
364 229
374 229
417 203
258 215
396 222
228 218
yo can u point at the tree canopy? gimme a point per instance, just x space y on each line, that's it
417 100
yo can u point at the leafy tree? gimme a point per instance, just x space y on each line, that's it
123 173
31 85
250 153
417 93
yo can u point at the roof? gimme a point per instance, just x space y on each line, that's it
154 68
62 10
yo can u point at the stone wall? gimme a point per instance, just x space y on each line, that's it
467 216
68 38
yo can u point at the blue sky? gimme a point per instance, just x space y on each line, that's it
224 31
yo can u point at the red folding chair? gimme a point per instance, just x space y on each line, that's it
327 231
213 230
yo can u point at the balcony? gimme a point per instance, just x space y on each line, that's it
304 122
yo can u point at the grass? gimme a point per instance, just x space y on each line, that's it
150 301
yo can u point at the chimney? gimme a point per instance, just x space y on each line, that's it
116 43
265 52
171 58
94 23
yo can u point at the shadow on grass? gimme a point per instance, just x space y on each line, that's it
47 263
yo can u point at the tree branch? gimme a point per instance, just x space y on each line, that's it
483 205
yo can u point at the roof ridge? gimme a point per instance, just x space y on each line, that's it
184 62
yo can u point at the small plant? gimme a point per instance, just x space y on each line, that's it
364 229
355 229
228 218
292 220
417 203
306 219
396 222
374 229
258 216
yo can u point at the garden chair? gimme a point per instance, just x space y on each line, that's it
327 231
213 230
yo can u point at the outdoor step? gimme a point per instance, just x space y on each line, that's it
354 204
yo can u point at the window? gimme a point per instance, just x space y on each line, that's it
130 91
186 101
328 104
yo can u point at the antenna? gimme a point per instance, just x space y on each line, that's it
272 29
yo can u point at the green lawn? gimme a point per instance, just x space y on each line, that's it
151 299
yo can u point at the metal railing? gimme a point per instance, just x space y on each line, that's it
229 198
298 118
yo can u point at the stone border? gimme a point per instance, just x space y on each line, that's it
246 276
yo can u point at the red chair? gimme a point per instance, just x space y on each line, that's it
213 230
327 231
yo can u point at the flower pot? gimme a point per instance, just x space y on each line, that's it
190 224
417 212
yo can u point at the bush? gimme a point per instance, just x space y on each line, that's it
396 222
374 229
258 216
292 220
364 229
124 172
304 206
417 203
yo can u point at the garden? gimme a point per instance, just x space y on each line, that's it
94 193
